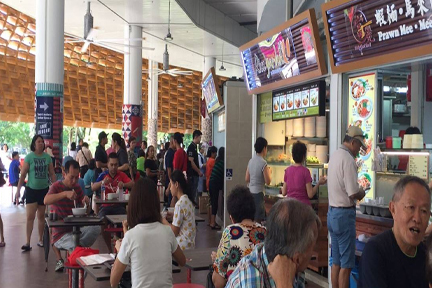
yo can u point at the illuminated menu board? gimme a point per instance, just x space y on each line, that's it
301 101
361 113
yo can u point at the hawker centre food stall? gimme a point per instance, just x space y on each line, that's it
285 74
380 55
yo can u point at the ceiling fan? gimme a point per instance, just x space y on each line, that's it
165 67
90 33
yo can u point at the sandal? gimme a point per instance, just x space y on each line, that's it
26 248
40 244
2 244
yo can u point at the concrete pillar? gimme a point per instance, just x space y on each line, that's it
206 123
132 110
418 78
49 74
152 104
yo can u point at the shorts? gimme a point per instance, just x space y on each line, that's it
259 206
111 210
35 195
88 236
342 227
14 184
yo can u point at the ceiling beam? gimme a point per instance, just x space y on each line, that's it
215 22
248 23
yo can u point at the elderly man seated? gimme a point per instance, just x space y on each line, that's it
62 196
292 231
397 257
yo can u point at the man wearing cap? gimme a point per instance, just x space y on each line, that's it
193 171
343 192
100 154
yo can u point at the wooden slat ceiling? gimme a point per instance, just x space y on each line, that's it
93 83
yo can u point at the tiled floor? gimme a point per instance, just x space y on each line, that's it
19 269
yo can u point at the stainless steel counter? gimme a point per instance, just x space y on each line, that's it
374 218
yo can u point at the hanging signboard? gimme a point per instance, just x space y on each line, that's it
301 101
361 113
369 33
289 53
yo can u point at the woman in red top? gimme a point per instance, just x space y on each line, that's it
180 156
211 155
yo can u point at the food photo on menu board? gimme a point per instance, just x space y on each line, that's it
361 105
302 101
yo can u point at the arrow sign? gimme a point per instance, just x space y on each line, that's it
44 106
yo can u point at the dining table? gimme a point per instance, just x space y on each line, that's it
75 223
116 220
102 272
198 259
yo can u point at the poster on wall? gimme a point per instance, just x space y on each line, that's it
361 113
265 107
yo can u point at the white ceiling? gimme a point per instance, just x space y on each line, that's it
187 50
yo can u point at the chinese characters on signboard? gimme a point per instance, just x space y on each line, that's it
370 33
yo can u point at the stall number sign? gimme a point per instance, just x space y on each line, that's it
418 166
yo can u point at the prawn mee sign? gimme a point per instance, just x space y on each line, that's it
369 33
361 113
302 101
287 54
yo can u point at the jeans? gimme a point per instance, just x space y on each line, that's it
193 186
341 225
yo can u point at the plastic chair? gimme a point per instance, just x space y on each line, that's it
188 285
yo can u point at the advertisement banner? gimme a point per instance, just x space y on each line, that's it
289 53
361 113
265 107
369 33
49 117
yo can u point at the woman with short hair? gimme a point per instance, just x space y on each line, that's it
239 238
297 179
148 246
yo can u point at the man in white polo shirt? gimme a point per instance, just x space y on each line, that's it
343 192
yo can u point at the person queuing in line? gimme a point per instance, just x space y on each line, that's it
119 147
193 170
83 157
180 159
202 166
64 195
73 151
39 169
101 156
14 171
211 160
89 178
343 191
168 167
2 240
297 179
258 174
150 164
239 238
80 145
132 158
183 224
397 257
216 185
140 163
292 232
148 246
112 180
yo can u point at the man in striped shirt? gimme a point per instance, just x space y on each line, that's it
292 231
62 196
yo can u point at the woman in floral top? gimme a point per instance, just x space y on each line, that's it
238 239
183 224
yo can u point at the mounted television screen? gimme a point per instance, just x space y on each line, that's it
300 101
211 92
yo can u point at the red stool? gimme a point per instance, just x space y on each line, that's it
77 268
188 285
